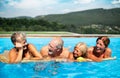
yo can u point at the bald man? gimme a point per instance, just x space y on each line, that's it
55 49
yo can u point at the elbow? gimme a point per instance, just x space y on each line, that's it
39 57
13 62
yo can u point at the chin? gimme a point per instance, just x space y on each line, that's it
75 56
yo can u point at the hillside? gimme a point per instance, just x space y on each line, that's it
95 21
100 16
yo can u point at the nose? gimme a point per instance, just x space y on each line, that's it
98 45
75 51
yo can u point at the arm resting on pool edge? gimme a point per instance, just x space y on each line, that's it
86 60
106 59
110 58
5 60
81 59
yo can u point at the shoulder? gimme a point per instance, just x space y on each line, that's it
44 48
108 51
70 55
30 45
66 51
44 51
12 50
90 49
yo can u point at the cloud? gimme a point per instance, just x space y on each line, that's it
116 2
2 12
83 1
31 4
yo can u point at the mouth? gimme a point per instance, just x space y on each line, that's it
50 52
98 48
75 55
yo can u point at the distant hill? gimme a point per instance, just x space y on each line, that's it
94 21
23 17
99 16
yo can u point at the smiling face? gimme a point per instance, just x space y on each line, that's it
52 48
77 52
80 50
100 47
55 47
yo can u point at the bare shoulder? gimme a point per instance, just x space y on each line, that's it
44 48
66 49
107 53
13 50
12 53
65 53
30 45
90 49
70 55
44 51
108 49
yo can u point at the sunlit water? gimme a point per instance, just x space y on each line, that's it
105 69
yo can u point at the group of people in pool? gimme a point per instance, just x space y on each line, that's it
56 50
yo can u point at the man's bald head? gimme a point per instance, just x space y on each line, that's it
55 46
58 42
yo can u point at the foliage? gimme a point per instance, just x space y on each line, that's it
97 21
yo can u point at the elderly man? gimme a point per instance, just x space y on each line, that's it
100 51
55 49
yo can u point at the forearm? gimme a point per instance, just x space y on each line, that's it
35 58
19 57
94 58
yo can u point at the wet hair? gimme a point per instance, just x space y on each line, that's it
105 40
82 47
18 36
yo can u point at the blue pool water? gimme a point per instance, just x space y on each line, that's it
105 69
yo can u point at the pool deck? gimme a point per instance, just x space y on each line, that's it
65 35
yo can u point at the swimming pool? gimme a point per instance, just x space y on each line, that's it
53 69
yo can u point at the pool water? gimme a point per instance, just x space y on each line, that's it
105 69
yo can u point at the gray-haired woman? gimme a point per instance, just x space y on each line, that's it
22 50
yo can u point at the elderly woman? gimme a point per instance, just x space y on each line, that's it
100 51
22 50
79 53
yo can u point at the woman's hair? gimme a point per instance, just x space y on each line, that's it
18 36
82 47
105 40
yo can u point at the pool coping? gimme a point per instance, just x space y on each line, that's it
65 35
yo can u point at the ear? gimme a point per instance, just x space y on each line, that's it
58 50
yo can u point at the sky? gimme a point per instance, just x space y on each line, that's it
33 8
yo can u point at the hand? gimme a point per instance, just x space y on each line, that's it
18 45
